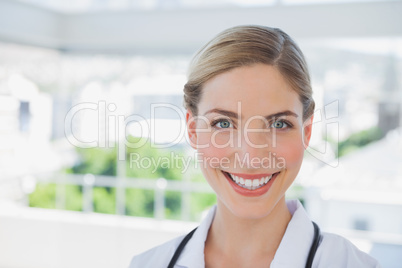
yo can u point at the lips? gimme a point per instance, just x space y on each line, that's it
250 185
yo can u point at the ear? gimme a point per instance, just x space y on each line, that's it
307 130
191 129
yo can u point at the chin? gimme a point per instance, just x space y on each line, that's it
252 211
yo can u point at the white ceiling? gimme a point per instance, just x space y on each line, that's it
80 6
185 30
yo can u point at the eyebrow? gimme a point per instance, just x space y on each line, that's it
235 115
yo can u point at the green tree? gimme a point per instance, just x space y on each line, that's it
44 196
359 139
151 163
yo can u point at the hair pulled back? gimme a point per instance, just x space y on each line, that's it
244 46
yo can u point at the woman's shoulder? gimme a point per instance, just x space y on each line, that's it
158 256
337 251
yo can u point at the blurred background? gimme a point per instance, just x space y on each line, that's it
94 164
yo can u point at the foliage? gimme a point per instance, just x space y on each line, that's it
359 139
104 200
44 196
149 162
139 202
73 197
97 161
142 162
172 204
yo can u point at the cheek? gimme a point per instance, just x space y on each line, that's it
292 150
213 153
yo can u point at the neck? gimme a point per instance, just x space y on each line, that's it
249 239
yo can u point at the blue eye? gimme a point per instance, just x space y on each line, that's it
223 124
279 124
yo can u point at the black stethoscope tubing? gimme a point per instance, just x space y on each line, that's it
310 258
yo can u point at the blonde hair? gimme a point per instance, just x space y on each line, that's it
244 46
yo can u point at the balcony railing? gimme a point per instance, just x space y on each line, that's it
159 186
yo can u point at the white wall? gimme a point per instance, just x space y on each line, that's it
343 214
334 214
39 238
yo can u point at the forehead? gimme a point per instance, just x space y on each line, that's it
261 89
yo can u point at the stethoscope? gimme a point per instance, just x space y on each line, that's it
310 258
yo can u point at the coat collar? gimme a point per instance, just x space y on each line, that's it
292 251
295 245
193 254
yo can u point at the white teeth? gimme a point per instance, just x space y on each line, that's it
250 184
256 182
236 179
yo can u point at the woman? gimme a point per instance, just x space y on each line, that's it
249 116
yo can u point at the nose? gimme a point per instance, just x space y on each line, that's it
254 148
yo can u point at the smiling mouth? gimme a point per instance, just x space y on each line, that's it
250 184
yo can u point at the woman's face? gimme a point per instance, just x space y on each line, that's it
250 138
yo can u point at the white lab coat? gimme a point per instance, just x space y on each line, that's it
333 252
